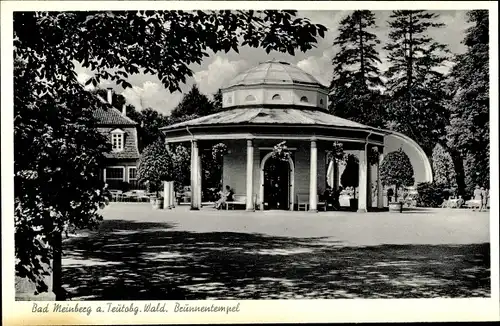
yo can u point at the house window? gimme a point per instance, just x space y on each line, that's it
321 101
117 140
229 99
276 97
114 176
250 98
304 99
132 173
132 177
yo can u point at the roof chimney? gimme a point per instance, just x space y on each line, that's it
124 110
110 95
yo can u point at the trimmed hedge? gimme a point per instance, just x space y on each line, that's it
431 194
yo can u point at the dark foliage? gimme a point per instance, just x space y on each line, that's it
431 194
396 169
58 151
350 177
355 88
416 102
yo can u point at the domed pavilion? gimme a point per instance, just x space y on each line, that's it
277 102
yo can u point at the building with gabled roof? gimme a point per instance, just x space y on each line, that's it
121 131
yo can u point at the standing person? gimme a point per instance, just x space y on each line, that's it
390 193
484 198
477 198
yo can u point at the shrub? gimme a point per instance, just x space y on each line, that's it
155 166
431 194
396 169
350 177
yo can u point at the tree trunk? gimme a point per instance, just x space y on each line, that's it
57 267
458 164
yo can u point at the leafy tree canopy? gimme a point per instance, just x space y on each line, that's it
54 112
468 132
155 166
350 177
396 169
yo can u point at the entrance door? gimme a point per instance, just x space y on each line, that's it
276 184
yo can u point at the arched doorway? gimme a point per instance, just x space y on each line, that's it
277 183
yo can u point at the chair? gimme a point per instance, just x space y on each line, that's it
321 203
302 201
116 195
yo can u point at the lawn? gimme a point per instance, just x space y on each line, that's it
139 253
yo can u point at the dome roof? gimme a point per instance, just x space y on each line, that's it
275 73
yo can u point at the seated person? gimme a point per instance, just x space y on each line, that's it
225 196
328 197
336 198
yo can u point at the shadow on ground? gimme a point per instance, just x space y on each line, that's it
124 260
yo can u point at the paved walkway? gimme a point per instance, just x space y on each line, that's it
140 253
419 226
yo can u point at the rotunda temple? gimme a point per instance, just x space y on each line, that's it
277 102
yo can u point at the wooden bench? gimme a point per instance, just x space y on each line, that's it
238 200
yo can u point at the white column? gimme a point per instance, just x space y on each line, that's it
363 182
172 194
166 195
194 175
368 182
380 188
249 193
199 179
313 178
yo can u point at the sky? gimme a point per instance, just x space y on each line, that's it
217 69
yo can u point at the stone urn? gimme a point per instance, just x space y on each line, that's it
396 207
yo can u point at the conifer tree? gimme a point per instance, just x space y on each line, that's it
442 165
356 83
217 101
415 86
193 104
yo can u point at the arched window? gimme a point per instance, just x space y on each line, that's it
304 99
321 101
276 97
250 98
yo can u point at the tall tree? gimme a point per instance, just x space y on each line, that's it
217 101
415 86
356 83
55 110
194 103
442 165
150 123
468 134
